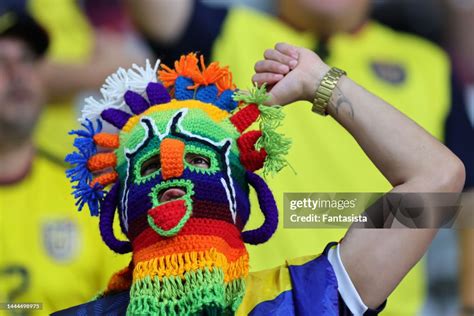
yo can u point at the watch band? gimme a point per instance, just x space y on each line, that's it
325 90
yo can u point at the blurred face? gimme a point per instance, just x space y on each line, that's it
325 16
335 7
21 94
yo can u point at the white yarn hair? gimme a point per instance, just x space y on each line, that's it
135 79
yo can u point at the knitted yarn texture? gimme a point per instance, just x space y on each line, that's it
180 163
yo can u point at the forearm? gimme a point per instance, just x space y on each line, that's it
413 161
162 20
378 259
402 150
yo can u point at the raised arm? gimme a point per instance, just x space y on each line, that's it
161 20
410 158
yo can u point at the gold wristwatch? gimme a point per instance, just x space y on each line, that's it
325 90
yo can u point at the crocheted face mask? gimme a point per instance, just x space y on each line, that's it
180 166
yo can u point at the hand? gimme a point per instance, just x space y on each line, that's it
292 73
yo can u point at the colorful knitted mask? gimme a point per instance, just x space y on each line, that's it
179 162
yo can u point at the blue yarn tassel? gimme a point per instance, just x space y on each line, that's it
79 173
84 193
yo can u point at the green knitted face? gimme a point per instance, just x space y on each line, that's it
169 135
196 121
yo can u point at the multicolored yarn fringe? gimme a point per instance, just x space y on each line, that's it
212 84
185 283
184 220
87 160
275 145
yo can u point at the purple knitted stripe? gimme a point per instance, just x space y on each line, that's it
206 188
136 102
116 117
106 222
157 93
269 210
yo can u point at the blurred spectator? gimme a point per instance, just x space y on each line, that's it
84 50
446 22
398 67
421 17
48 254
262 5
459 41
106 14
459 18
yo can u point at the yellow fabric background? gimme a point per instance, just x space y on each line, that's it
44 197
71 41
41 200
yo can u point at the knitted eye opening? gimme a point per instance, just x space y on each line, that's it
153 164
150 166
198 160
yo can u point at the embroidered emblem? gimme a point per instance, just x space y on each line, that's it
61 239
390 72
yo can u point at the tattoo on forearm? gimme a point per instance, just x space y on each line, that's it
340 101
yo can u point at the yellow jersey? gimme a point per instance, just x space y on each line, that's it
49 253
71 40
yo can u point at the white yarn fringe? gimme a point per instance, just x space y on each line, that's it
135 79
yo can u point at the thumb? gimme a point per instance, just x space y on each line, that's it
271 98
279 95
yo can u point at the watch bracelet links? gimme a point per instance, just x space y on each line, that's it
325 90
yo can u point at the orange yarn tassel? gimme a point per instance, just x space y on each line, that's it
101 161
107 140
188 67
105 179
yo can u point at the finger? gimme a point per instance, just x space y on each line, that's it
287 49
271 66
273 54
268 78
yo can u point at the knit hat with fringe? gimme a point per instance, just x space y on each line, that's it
170 151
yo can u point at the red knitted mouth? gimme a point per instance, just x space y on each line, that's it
173 210
168 215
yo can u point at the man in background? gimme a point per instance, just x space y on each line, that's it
89 40
48 254
409 72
